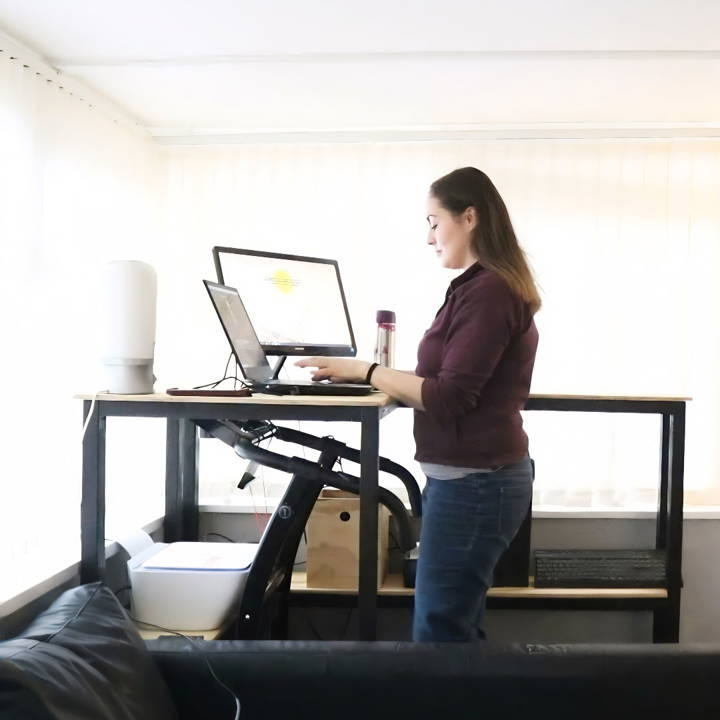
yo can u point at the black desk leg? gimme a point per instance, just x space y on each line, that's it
367 585
181 481
189 480
92 506
172 529
666 621
662 513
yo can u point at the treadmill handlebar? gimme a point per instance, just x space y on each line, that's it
340 480
292 465
342 450
253 431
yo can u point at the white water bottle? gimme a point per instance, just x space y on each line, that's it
385 343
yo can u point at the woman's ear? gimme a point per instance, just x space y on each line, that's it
471 218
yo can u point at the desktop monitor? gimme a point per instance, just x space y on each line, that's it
296 303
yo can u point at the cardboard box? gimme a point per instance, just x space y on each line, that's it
333 530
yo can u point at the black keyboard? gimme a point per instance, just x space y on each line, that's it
600 568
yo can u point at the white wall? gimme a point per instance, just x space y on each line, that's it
78 187
624 237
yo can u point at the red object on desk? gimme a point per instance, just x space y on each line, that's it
243 392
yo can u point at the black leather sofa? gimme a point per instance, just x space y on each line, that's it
82 659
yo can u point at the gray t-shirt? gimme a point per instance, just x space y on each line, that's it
448 472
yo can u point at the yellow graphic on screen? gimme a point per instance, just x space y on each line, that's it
283 281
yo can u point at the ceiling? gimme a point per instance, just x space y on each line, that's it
210 70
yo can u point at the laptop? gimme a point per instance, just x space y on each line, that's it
252 358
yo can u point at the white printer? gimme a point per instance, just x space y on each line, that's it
188 585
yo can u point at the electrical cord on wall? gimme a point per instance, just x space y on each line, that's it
215 383
90 414
262 478
227 364
197 649
237 367
220 535
190 640
234 377
230 540
248 476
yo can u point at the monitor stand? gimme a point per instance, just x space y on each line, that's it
278 366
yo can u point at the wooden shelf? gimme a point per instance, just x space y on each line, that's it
393 586
148 632
373 399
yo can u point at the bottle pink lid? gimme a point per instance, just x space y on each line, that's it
385 317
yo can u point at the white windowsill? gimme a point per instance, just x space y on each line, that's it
690 512
63 575
262 505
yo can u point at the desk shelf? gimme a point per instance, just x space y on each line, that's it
392 594
393 587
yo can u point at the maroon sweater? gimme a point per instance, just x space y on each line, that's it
477 360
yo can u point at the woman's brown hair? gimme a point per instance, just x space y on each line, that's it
494 243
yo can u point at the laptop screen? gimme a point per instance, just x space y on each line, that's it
240 332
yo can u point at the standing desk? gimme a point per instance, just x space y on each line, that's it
181 473
663 602
181 506
669 517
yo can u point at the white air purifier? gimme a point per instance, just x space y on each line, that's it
129 291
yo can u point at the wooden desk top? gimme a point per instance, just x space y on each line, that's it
374 399
393 586
634 398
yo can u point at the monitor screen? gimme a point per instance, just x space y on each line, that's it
296 304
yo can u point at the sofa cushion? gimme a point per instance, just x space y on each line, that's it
83 658
19 703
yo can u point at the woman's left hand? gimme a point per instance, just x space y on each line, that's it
336 369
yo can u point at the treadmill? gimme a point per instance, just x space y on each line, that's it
262 608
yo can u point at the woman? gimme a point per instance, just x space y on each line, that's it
472 379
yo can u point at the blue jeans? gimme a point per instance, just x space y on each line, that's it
467 524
